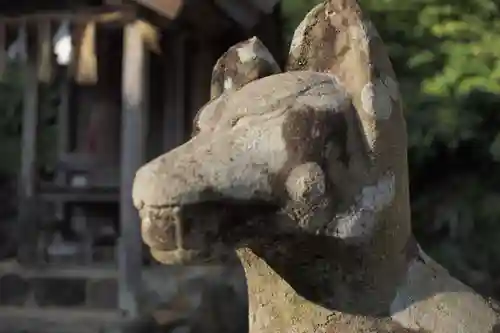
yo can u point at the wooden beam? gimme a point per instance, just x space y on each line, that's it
109 14
134 126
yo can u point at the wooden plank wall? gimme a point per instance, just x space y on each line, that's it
29 125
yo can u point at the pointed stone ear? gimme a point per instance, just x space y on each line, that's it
244 62
336 37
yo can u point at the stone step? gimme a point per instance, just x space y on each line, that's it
55 320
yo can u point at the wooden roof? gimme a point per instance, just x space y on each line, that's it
22 7
245 12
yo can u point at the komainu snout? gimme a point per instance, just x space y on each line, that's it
259 169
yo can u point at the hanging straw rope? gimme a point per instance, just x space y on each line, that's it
45 52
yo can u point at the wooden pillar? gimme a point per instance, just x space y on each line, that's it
133 137
175 97
28 171
29 127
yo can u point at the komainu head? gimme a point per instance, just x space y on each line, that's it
318 150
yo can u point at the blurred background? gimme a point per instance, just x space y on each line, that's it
447 58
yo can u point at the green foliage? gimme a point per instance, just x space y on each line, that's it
447 58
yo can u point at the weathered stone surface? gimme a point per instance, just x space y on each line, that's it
244 62
304 175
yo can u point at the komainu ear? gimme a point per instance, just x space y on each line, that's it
244 62
336 37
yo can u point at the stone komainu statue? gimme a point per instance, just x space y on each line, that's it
303 175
